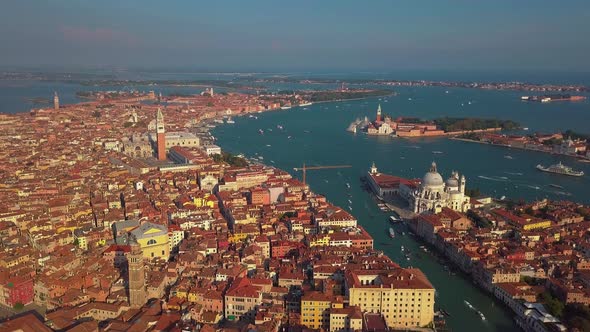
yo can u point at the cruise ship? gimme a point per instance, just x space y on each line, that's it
560 169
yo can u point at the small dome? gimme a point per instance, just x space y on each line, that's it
452 182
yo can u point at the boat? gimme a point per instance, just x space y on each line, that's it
525 128
280 127
218 121
393 219
260 131
350 208
347 185
268 145
469 305
349 201
437 152
285 107
391 233
481 315
229 120
306 104
560 169
508 157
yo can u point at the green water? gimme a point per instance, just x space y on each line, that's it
318 137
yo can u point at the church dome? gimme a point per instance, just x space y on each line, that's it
452 182
432 178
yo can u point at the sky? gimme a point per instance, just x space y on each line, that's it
298 35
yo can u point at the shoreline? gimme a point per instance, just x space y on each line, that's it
578 158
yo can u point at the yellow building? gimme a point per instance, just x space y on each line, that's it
537 224
208 200
153 240
320 241
404 297
315 310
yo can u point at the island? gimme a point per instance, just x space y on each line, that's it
385 125
567 143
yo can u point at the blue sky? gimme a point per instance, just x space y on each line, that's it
299 35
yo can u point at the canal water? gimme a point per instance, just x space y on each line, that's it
316 135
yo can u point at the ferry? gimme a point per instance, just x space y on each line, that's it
560 169
391 233
305 104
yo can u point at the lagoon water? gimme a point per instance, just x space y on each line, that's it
316 135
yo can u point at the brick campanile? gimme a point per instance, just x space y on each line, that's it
161 136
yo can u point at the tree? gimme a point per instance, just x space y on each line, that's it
18 306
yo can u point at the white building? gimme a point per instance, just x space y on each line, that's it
434 193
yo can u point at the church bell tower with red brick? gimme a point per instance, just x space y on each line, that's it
161 136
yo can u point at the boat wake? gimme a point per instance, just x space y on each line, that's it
513 173
501 179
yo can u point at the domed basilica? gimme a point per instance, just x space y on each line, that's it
433 193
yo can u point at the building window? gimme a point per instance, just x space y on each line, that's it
151 241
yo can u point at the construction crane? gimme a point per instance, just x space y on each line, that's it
306 168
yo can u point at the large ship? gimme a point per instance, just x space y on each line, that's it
560 169
554 97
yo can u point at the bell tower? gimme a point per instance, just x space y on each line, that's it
136 277
161 136
55 101
379 113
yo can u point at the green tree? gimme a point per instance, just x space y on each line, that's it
18 306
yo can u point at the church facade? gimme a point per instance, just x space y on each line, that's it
434 194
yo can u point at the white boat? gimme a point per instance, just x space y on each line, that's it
391 233
285 107
306 104
348 185
437 152
508 157
218 121
268 145
260 131
525 128
393 219
481 315
560 169
349 201
280 127
469 305
229 120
